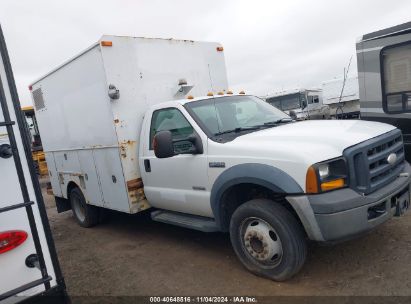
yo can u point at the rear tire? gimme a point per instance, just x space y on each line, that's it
268 239
86 215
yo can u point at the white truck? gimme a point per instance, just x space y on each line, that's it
342 97
170 136
28 262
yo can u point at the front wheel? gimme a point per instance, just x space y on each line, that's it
268 239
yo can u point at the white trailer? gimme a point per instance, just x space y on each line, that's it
90 111
342 99
28 261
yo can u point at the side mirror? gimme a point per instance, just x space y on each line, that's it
303 105
163 144
293 115
197 143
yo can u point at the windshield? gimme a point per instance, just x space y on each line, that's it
234 114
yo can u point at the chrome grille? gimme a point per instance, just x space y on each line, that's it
368 162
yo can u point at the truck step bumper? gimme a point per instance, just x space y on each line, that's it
355 222
200 223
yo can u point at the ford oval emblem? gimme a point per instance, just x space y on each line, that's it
392 158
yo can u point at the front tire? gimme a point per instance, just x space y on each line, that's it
268 239
86 215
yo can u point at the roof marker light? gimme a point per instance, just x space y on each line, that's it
229 92
220 93
106 43
190 97
242 93
210 94
220 49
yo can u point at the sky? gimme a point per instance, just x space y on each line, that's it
269 46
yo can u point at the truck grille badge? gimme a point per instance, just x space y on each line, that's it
392 158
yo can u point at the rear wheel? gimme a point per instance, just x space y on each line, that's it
267 239
85 214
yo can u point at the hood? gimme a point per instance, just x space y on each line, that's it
294 147
343 133
314 139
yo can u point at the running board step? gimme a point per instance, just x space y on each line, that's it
200 223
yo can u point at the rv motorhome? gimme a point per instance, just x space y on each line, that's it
384 71
304 103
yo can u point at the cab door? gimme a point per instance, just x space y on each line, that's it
178 183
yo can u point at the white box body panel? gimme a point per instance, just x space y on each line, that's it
91 139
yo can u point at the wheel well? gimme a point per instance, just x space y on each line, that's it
238 194
71 185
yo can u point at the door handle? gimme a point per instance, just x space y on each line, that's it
147 165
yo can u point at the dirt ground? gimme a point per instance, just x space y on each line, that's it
131 255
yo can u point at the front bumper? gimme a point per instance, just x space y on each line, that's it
344 214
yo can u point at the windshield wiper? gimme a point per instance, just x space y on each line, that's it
279 121
266 124
237 130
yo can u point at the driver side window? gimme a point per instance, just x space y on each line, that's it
172 120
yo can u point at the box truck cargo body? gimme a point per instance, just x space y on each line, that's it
90 111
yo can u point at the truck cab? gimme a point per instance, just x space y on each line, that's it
234 172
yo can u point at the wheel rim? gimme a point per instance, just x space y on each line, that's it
261 242
79 209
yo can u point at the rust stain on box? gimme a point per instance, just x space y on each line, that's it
135 184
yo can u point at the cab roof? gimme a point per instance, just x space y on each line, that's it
183 101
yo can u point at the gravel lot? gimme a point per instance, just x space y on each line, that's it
131 255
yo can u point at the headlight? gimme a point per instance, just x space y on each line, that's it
326 176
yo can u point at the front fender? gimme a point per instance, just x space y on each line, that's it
263 175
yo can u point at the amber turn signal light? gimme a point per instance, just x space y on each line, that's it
311 181
334 184
106 43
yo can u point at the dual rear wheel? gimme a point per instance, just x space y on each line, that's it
85 214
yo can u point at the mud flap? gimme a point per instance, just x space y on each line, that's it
62 204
